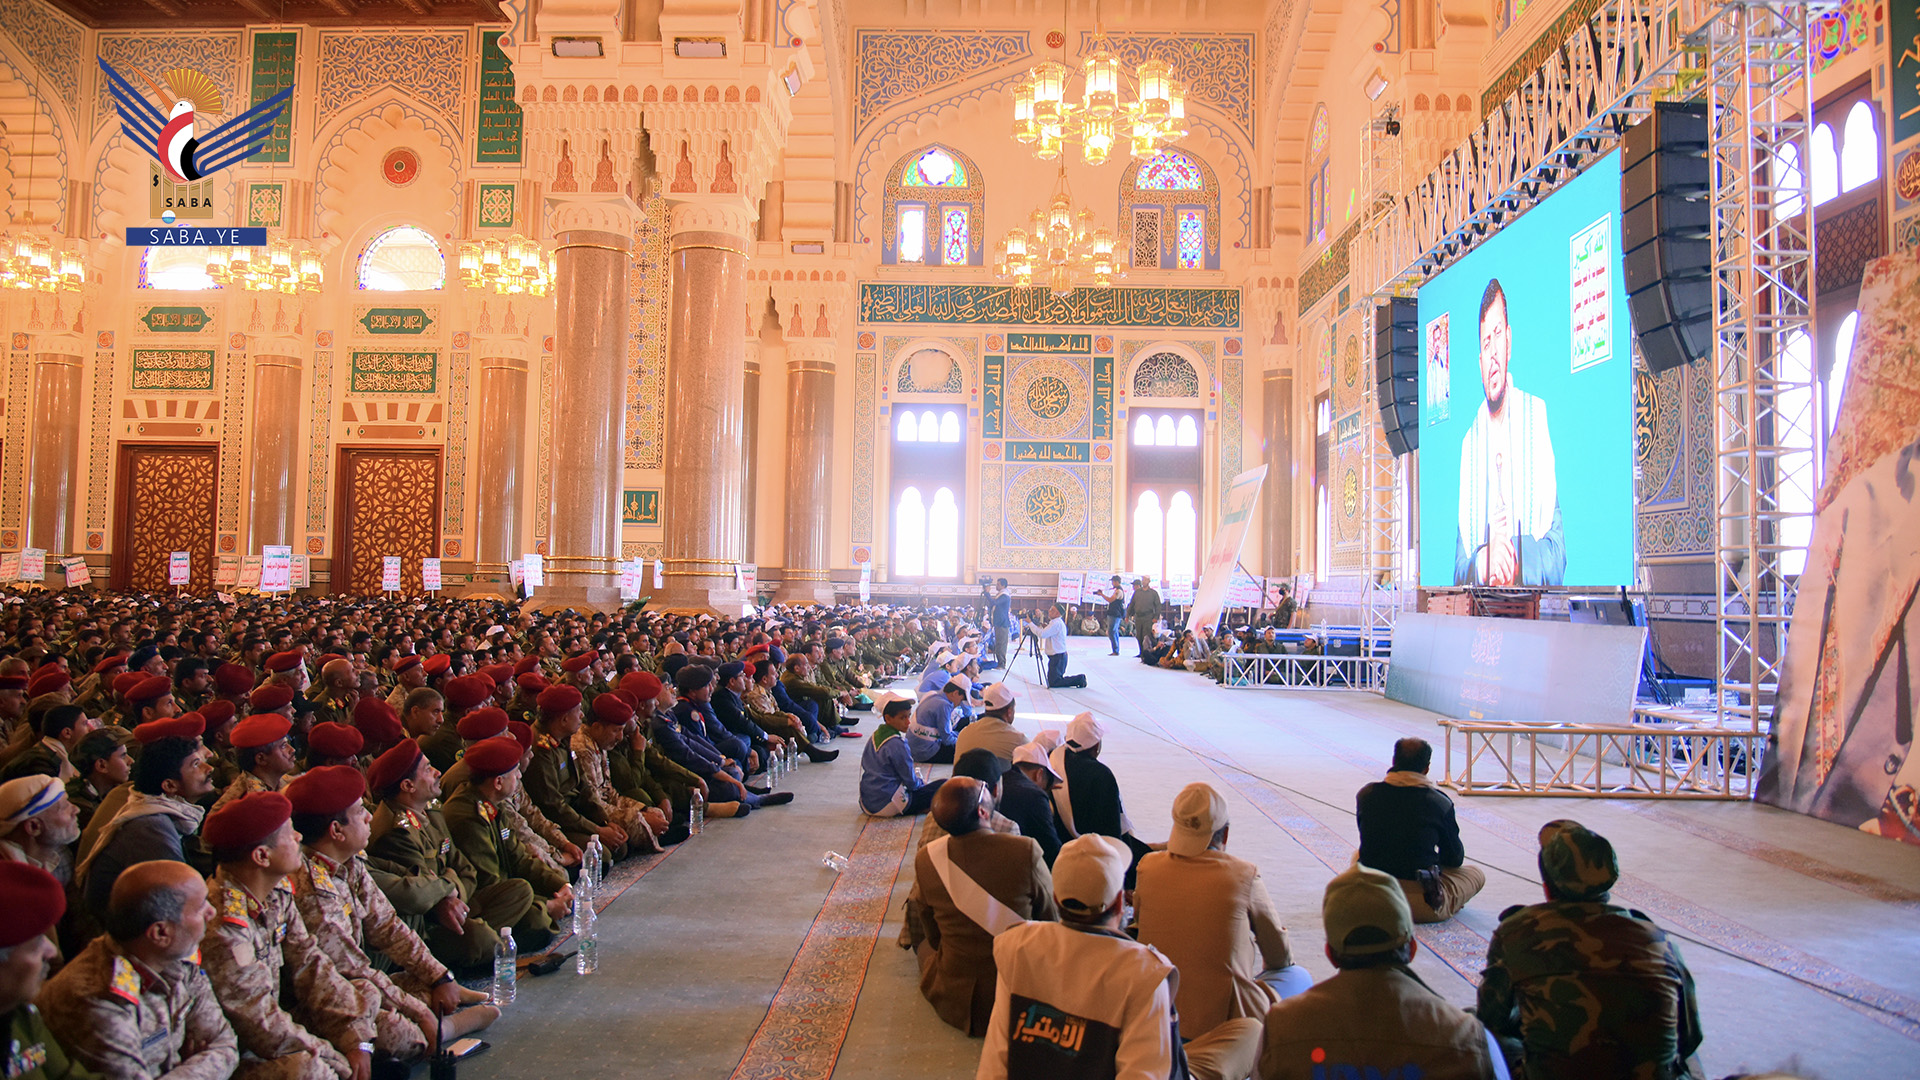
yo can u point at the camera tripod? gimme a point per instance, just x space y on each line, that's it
1039 666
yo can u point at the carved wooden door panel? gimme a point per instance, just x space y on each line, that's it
168 497
389 505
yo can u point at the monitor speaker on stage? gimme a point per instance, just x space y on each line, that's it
1396 372
1666 234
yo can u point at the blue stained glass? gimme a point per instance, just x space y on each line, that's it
1192 239
935 168
1169 170
953 236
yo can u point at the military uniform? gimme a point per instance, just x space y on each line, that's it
345 912
33 1053
245 951
654 776
500 860
542 837
596 782
443 746
329 709
48 757
415 862
553 783
84 798
243 784
126 1020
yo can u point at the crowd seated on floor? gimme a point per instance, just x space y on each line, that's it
289 836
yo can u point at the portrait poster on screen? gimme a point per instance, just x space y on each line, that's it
1526 442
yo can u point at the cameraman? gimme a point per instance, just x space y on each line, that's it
1116 600
1053 645
1001 620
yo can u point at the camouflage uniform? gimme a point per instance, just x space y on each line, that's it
596 782
345 912
243 784
123 1020
1579 988
244 952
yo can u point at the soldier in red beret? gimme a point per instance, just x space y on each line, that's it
430 881
408 676
379 723
262 753
553 778
35 902
605 728
334 744
346 913
233 682
483 832
151 698
257 933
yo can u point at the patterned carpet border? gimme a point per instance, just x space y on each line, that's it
808 1018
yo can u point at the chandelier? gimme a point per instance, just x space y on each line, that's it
515 266
1045 120
41 262
1061 248
279 267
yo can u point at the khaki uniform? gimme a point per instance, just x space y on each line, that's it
504 867
1379 1020
956 969
247 948
345 912
596 782
415 862
443 746
328 709
126 1021
553 783
1211 915
48 757
32 1051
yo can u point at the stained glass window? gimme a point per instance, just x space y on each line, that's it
1841 31
1169 170
1317 142
935 168
953 236
1192 239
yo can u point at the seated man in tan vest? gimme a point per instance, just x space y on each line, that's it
974 883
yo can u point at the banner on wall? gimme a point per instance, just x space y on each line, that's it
301 575
10 566
1069 588
866 582
1840 748
276 568
1242 496
179 568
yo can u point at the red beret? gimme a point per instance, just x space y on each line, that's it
217 712
558 700
394 766
190 726
531 682
526 664
377 720
149 689
756 651
632 699
437 664
108 663
499 673
233 679
328 790
47 681
13 682
644 685
492 757
467 691
270 697
405 662
335 740
521 733
259 729
122 684
36 898
327 658
579 661
609 709
246 822
482 724
283 661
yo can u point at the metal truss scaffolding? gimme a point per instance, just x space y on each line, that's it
1765 415
1381 162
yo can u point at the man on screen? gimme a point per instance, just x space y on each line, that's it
1509 500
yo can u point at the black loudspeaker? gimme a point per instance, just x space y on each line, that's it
1396 372
1666 230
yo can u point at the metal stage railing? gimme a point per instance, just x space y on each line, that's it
1665 753
1287 671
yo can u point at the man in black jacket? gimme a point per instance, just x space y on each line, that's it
1089 799
1407 830
1026 798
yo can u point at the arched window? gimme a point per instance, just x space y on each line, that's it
1318 168
950 426
943 536
1164 475
1842 358
929 470
929 426
1148 523
910 534
403 259
1183 536
1143 431
1859 148
1795 433
1826 164
1787 174
1166 375
934 210
1163 431
909 430
1187 432
179 268
1172 203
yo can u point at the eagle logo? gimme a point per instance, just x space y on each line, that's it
175 138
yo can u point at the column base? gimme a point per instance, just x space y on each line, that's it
693 599
804 591
580 597
488 587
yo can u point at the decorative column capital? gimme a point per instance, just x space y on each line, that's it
288 345
59 345
511 348
811 309
720 214
614 214
811 354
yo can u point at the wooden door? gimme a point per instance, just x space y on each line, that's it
389 505
168 498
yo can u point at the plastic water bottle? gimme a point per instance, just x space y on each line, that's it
835 862
793 755
505 974
696 812
585 925
773 771
596 859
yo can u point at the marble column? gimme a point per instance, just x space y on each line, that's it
588 449
749 446
809 472
499 464
706 388
53 469
274 444
1276 404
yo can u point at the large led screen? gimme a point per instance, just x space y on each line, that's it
1526 437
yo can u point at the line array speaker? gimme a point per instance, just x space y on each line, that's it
1396 372
1666 231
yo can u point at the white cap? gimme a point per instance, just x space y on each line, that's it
998 696
965 684
1089 872
942 660
1198 812
881 699
1034 754
1084 732
1049 739
496 628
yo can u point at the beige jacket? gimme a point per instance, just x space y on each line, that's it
956 970
128 1022
1092 996
1210 914
1374 1021
990 733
